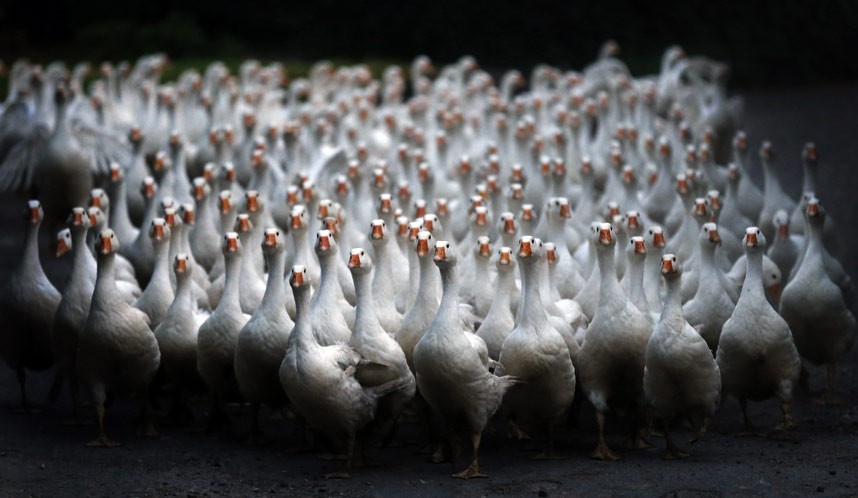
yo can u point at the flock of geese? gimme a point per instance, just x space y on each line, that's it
345 248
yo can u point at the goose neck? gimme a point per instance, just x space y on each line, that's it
232 277
274 296
672 300
303 331
610 286
30 260
753 285
365 311
532 310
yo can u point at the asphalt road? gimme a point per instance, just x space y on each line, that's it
41 457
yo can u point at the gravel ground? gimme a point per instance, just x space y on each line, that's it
41 457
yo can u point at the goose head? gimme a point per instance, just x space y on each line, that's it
506 223
656 237
159 231
604 236
767 153
64 241
167 203
200 189
182 266
325 245
107 243
636 248
377 231
431 223
254 204
35 213
97 220
632 223
325 209
808 155
419 209
671 269
225 203
162 164
528 249
559 209
445 255
298 218
422 243
359 262
709 236
480 219
754 240
231 245
552 256
243 225
483 248
505 260
98 198
815 212
781 221
187 214
700 210
384 206
171 216
148 188
713 200
272 242
116 173
299 278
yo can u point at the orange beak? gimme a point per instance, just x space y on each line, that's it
404 192
517 192
270 238
527 212
605 237
243 222
342 188
422 247
714 237
232 243
92 219
297 279
509 226
115 173
613 210
385 205
774 291
810 151
481 218
376 232
199 192
485 251
324 243
189 216
441 207
62 245
525 248
256 159
170 217
292 197
106 245
354 260
640 246
159 161
700 208
715 202
296 222
565 211
633 221
658 239
225 205
504 257
783 231
77 217
667 265
252 202
181 265
95 200
682 185
158 231
148 189
551 255
628 175
440 252
428 224
752 239
813 209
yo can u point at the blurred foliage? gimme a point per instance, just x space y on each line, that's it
771 43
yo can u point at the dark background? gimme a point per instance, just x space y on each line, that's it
769 43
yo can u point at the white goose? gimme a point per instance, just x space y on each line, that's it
499 321
262 341
614 350
536 353
383 283
822 325
680 376
756 354
418 318
463 394
158 295
117 351
329 305
28 302
321 382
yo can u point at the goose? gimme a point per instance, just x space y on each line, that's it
565 315
329 305
158 295
464 394
322 381
140 253
756 353
822 325
499 321
252 286
383 288
75 301
632 282
218 335
731 216
774 198
479 295
262 341
536 354
680 375
203 236
339 230
373 343
614 349
137 171
832 266
784 251
125 276
29 302
569 279
120 220
661 198
187 219
652 281
420 315
715 298
117 351
177 334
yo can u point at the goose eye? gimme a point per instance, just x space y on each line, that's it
448 246
774 276
674 259
111 236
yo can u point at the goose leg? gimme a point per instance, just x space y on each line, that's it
256 437
788 421
473 469
749 429
345 474
828 397
602 452
22 383
701 436
102 441
673 451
